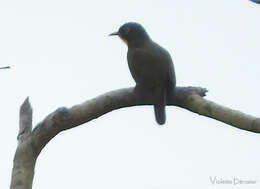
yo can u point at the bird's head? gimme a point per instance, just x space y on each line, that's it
131 32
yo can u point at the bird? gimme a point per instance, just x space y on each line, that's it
151 66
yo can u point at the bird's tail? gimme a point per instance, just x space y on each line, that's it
159 107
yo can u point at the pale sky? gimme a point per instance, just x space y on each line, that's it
61 55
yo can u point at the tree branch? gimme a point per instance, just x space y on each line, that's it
25 125
32 142
24 159
6 67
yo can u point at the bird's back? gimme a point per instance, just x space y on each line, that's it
151 65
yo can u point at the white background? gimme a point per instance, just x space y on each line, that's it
60 55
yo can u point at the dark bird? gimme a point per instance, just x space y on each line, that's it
150 65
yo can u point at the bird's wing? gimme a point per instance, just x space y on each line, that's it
171 79
143 66
153 66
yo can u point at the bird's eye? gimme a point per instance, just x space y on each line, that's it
127 30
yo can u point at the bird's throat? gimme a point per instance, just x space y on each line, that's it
124 40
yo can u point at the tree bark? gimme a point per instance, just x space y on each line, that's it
31 142
6 67
24 159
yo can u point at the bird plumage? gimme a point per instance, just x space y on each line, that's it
150 65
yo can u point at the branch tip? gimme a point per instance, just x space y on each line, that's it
26 106
6 67
25 125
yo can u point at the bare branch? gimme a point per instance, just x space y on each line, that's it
25 125
6 67
24 159
189 98
32 142
224 114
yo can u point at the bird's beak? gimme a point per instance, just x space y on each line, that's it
115 33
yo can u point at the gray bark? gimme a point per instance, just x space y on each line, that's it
31 142
24 159
6 67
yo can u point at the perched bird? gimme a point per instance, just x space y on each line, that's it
150 65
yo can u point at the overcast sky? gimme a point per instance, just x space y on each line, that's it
60 55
